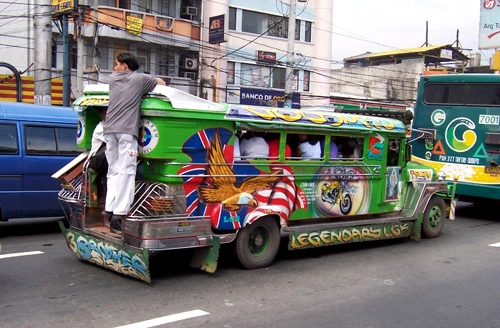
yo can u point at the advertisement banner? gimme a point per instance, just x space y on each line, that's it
134 23
489 24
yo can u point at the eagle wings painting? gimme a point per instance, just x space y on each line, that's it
224 188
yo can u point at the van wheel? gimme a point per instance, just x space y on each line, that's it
257 244
434 216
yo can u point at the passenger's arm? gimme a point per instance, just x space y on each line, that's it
161 81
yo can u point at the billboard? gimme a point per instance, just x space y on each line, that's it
266 97
489 24
217 29
61 7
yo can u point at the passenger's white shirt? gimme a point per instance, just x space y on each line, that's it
255 147
236 149
97 139
310 151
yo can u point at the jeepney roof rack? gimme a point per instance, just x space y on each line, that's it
405 116
178 98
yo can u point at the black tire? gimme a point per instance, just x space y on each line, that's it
257 244
434 217
346 204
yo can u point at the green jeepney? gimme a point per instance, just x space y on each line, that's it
196 190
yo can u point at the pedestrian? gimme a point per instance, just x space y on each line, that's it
121 127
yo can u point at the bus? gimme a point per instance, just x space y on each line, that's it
35 141
457 130
196 190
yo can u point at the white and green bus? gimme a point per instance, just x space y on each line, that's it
457 131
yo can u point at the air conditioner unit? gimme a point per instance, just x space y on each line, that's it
190 75
190 64
192 11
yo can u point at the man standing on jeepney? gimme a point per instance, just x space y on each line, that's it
121 127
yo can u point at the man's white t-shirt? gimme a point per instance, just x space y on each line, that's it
255 147
310 151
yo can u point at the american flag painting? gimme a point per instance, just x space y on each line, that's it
282 198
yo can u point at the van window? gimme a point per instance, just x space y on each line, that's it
8 139
44 140
66 141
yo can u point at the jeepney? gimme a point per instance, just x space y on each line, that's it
195 191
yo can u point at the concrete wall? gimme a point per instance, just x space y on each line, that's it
394 82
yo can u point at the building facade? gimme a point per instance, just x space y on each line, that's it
171 40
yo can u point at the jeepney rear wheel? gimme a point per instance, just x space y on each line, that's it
257 244
434 217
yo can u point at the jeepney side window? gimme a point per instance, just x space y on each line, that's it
393 152
306 146
236 146
349 147
253 145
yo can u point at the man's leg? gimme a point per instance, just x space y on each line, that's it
125 177
112 158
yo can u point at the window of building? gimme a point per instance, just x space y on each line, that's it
307 78
124 4
232 19
271 25
297 30
254 75
308 31
143 58
73 53
54 54
277 26
279 78
144 6
230 72
253 22
8 139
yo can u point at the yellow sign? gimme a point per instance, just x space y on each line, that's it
60 7
134 25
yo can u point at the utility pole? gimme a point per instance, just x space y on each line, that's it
80 49
66 67
43 54
290 56
95 62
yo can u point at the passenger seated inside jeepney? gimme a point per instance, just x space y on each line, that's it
334 151
273 140
253 145
309 147
236 148
349 148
